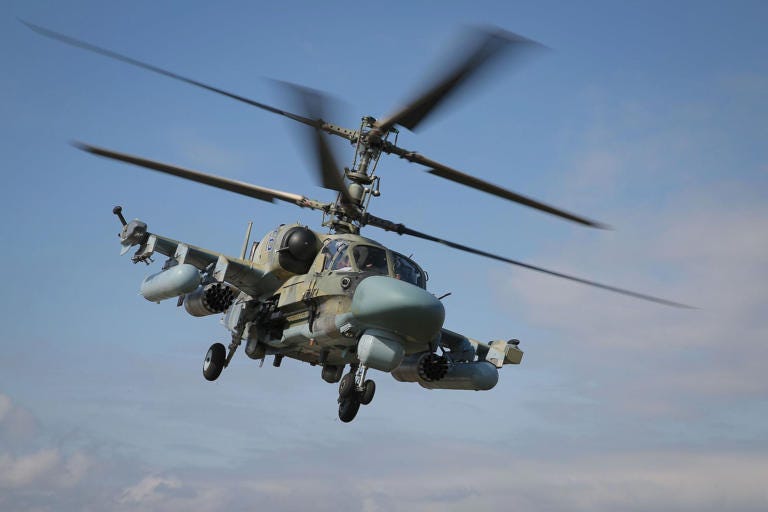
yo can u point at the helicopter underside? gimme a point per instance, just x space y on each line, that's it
378 323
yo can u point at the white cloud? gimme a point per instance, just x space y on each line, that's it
682 184
404 473
150 489
647 361
73 470
46 467
168 493
26 470
472 477
670 481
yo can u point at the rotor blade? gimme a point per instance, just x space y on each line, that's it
330 176
128 60
401 229
328 168
451 174
489 45
238 187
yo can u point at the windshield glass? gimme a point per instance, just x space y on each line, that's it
406 270
370 259
337 256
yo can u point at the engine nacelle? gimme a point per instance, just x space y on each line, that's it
173 282
436 372
209 299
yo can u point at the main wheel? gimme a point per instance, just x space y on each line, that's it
347 385
331 373
348 409
214 361
369 389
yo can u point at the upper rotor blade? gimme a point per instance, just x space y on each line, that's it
114 55
401 229
239 187
489 45
451 174
328 169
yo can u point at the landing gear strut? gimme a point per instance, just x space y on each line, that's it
218 356
354 390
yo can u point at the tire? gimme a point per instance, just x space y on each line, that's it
214 361
369 389
347 385
332 373
348 409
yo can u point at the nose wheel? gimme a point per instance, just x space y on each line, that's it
354 390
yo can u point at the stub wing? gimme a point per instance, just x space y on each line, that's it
465 349
242 274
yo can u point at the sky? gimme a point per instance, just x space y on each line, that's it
648 116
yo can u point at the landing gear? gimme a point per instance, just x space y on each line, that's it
348 408
354 390
214 361
369 389
332 373
347 385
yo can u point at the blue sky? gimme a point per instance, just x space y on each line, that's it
649 116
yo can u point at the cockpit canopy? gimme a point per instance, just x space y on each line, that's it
346 256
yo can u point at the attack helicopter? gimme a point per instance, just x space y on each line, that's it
335 299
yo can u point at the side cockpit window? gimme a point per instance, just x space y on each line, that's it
336 254
369 258
408 271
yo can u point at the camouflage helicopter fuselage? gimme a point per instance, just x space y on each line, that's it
331 300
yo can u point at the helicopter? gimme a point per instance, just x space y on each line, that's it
335 299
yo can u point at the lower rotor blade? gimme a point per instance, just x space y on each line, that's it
401 229
238 187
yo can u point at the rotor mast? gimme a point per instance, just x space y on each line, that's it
346 214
